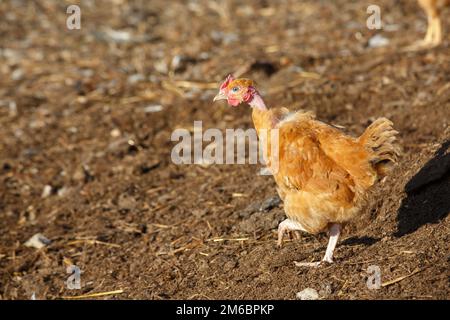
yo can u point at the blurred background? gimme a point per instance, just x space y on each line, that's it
85 122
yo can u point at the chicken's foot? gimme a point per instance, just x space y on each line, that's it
335 231
432 39
285 226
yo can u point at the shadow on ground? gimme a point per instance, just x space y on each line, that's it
428 199
354 241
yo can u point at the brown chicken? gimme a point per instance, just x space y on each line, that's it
433 10
322 174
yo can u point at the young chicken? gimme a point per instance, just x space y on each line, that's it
322 174
433 9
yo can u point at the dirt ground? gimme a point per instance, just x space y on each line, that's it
77 114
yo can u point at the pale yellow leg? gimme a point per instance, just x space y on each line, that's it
335 231
437 32
432 38
430 31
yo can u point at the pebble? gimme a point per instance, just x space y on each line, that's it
115 133
37 241
378 41
17 75
47 191
134 78
308 294
153 108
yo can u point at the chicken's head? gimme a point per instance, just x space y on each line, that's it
237 91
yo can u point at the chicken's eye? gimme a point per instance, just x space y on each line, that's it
235 89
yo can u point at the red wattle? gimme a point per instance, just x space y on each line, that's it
233 102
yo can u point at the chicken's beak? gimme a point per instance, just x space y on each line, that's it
220 96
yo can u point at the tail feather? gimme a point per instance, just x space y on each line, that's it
380 139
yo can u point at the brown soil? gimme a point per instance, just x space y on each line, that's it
72 114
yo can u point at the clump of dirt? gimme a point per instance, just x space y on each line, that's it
86 118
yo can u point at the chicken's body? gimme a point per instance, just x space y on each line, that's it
433 10
322 174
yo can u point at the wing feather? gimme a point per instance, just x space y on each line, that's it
303 164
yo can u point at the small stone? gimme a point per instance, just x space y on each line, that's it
161 66
378 41
308 294
153 108
118 36
115 133
82 100
37 241
386 80
225 38
134 78
12 106
47 191
17 75
62 192
72 130
177 62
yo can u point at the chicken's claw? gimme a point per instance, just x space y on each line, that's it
285 226
419 46
308 264
280 238
312 264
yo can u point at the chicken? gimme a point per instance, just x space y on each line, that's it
322 175
433 9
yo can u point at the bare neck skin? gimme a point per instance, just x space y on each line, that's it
257 102
260 113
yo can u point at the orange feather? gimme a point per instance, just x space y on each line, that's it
323 174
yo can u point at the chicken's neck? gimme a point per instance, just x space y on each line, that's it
257 102
261 115
263 122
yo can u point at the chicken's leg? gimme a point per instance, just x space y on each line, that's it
285 226
430 31
335 230
433 36
437 31
431 39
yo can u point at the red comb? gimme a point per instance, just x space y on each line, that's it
227 81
